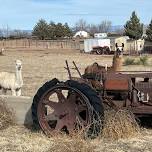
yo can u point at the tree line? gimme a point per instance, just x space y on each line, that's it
133 28
43 30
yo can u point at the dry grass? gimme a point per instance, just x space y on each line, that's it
66 144
26 141
43 65
19 139
40 66
7 117
120 124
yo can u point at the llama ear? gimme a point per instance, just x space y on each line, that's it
123 45
116 45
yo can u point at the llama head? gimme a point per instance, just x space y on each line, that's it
18 64
119 50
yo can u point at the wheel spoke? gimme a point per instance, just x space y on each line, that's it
61 97
51 116
81 108
70 127
72 97
51 104
60 124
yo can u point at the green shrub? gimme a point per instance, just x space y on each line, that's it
143 60
129 61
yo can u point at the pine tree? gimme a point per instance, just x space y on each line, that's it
67 30
133 27
52 29
59 31
149 32
41 30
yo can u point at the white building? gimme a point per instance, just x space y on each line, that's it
100 35
81 34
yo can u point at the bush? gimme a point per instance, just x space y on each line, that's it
129 61
120 124
143 60
7 116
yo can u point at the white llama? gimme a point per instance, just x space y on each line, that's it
2 51
12 81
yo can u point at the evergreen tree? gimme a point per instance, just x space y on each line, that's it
149 32
67 30
59 31
133 27
41 30
52 29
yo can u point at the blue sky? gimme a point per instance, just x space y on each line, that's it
23 14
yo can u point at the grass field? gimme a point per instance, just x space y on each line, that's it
40 66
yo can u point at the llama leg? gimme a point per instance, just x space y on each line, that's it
18 92
4 91
13 92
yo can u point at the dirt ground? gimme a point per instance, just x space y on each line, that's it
40 66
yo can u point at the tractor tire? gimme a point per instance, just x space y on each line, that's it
94 100
36 101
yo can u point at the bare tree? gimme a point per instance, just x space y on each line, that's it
81 25
19 34
92 28
6 31
1 33
120 30
105 26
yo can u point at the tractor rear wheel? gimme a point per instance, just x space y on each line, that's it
67 107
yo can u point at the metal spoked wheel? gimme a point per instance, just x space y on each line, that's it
63 109
67 107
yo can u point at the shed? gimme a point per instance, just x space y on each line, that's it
119 40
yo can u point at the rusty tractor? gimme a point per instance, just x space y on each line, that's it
80 101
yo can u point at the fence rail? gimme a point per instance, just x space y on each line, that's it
43 44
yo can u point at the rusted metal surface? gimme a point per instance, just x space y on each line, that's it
116 84
68 69
76 68
137 85
63 109
66 109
